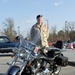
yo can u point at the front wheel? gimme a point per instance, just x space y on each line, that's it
56 70
13 70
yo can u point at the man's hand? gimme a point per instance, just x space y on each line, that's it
45 51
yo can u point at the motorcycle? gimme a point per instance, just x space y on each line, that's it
28 61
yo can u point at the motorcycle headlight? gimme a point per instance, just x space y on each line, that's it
22 53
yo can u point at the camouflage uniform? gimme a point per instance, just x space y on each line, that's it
40 34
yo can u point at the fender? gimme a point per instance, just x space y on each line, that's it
13 70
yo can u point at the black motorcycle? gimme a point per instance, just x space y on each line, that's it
49 63
36 63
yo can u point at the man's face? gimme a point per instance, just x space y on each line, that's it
39 20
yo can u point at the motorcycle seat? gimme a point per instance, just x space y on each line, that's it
54 51
49 58
52 54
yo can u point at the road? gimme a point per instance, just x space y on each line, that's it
69 70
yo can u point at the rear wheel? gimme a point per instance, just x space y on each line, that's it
56 70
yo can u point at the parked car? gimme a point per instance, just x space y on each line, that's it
6 45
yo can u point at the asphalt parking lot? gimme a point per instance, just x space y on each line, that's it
69 70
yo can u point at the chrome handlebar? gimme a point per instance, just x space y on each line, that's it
25 49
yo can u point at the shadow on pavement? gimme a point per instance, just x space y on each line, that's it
3 64
71 63
2 74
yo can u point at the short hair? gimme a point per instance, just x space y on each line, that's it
38 16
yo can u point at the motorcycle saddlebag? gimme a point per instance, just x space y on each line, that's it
61 60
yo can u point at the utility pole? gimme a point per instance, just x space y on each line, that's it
66 33
47 23
65 25
18 30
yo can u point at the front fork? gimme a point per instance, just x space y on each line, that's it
23 67
26 63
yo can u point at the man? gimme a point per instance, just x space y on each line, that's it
39 32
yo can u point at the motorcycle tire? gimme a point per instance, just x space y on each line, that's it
56 70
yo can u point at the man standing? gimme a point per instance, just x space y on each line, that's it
39 32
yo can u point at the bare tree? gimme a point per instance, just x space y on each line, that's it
61 35
9 28
54 35
72 35
70 26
